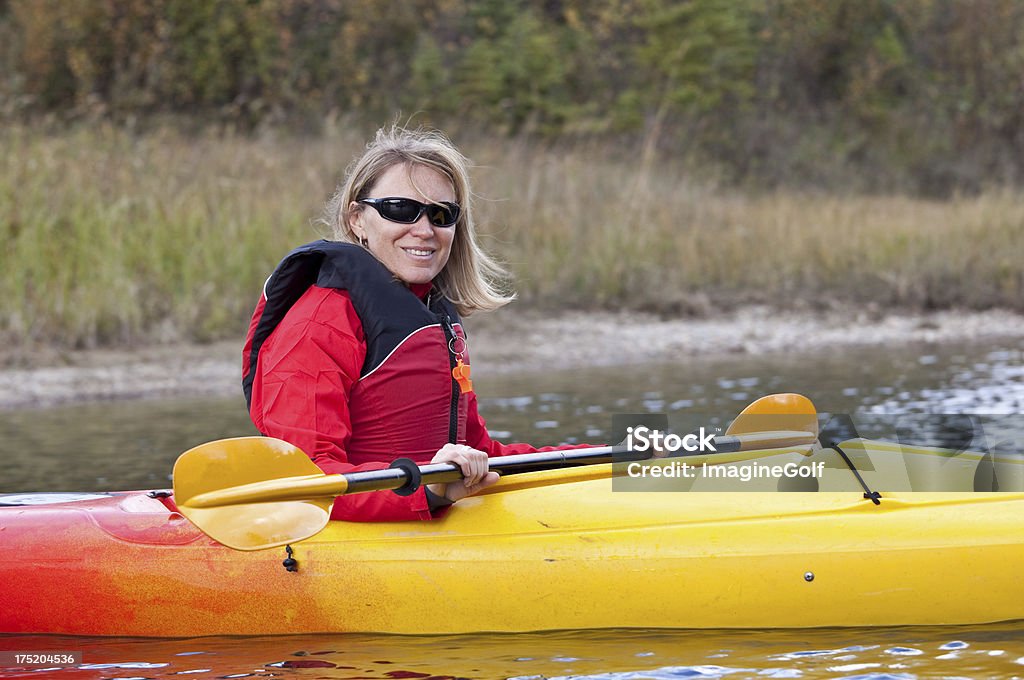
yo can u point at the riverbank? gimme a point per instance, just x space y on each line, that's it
507 342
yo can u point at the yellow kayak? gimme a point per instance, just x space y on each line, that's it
557 549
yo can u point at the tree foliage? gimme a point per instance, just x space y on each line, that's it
924 95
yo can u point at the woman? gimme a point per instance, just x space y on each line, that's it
356 353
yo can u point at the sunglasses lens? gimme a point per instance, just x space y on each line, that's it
400 210
444 215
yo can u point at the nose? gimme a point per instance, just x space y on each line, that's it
422 227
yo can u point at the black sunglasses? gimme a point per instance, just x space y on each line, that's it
407 211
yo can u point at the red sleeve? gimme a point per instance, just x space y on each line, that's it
300 394
477 437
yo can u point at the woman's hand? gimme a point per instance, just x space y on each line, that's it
473 464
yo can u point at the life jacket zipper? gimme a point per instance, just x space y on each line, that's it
453 416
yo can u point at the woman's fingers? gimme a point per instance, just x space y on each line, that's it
472 462
490 479
456 492
474 466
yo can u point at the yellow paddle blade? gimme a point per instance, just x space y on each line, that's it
258 526
777 412
219 485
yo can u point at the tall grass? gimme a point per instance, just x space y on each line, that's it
582 231
117 239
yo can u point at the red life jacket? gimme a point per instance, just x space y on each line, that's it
406 401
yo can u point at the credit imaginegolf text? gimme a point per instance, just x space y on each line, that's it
745 472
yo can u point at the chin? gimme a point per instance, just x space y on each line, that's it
416 277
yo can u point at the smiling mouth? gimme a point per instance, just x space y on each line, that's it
419 252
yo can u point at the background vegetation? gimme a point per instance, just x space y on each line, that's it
921 95
677 156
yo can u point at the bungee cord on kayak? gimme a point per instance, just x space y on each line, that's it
873 496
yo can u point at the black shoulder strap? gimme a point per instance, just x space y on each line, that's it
387 309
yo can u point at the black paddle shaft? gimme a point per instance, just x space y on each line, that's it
405 476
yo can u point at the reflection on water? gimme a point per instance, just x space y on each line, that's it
983 651
132 445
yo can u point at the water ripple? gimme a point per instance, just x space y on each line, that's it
666 673
955 644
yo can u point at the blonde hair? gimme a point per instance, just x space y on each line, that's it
472 280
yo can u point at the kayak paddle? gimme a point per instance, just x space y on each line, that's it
780 411
251 493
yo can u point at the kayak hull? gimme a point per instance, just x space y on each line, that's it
542 551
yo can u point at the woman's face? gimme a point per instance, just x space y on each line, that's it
417 252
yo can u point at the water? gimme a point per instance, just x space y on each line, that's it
133 444
898 653
123 445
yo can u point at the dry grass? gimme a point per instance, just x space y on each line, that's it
118 239
588 232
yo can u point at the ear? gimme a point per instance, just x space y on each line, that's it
354 217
